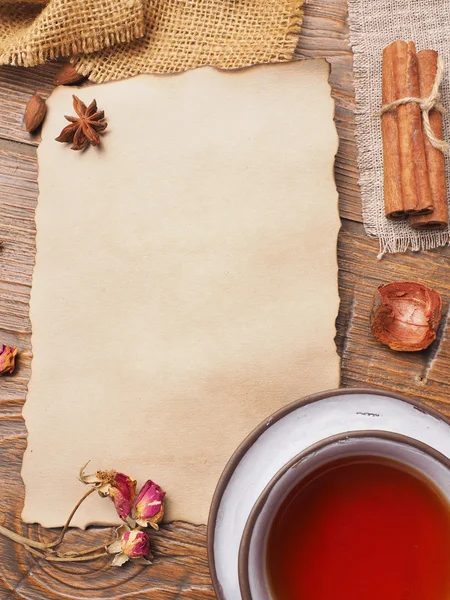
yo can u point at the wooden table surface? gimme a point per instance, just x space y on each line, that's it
180 569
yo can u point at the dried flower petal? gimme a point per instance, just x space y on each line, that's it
149 506
101 479
134 544
7 359
123 492
406 315
118 486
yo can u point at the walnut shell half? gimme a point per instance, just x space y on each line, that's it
406 315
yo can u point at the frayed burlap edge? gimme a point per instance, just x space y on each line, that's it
136 58
31 58
36 34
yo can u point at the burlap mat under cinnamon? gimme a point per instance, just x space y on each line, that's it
122 38
373 25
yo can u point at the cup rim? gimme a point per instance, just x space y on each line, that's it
251 438
244 547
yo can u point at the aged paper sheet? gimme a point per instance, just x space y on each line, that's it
185 284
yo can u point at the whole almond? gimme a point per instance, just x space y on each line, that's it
67 75
34 113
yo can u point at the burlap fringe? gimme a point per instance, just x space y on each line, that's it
115 39
227 36
32 34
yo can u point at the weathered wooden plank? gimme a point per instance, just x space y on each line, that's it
325 34
422 375
180 569
18 193
17 85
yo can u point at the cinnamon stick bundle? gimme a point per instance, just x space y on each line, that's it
438 219
393 200
407 189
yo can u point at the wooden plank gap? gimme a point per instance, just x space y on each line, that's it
13 147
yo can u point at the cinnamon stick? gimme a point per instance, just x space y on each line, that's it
416 189
401 80
393 199
438 219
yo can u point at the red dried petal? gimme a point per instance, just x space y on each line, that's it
7 359
123 492
149 505
135 544
406 315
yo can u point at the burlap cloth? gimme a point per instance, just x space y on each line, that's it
121 38
32 32
373 25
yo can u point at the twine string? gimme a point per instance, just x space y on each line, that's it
431 102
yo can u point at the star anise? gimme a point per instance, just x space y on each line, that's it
84 129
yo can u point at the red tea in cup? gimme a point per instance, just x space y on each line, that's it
361 528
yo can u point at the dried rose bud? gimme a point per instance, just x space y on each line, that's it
122 492
406 315
134 544
149 506
118 486
101 479
7 359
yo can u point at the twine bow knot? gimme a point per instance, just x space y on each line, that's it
426 105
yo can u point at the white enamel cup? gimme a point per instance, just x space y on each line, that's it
427 461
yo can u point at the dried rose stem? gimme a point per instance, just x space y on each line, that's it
52 558
27 542
66 526
83 552
15 537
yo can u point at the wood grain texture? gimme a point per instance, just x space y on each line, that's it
17 85
180 569
421 375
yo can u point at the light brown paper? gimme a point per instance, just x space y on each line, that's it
181 293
